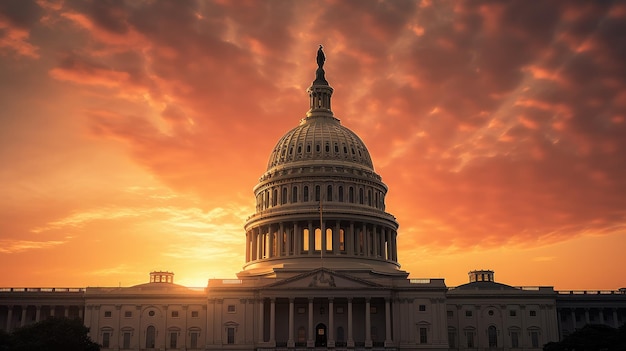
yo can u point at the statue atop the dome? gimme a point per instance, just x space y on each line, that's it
320 57
319 73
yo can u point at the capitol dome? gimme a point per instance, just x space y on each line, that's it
320 138
320 203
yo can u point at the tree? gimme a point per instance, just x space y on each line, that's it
592 337
52 334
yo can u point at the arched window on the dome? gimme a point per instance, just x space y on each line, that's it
283 198
336 148
327 148
283 246
294 195
308 148
299 149
369 197
266 202
329 193
361 241
305 194
317 193
377 204
345 149
274 197
340 193
351 195
361 196
342 240
305 240
329 239
318 239
317 147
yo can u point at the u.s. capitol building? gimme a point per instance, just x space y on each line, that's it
321 272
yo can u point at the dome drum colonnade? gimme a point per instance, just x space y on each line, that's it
320 197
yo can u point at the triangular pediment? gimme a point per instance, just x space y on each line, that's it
322 278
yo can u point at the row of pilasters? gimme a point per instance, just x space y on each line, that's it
20 315
316 315
348 238
573 318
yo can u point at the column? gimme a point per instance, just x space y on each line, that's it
336 236
323 232
80 312
310 342
253 248
282 239
350 339
586 316
573 311
366 250
331 323
394 248
9 318
381 237
388 341
311 239
290 235
23 321
601 315
350 240
368 323
290 342
297 240
615 324
248 237
273 321
37 314
376 240
261 308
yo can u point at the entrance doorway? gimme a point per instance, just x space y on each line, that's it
320 335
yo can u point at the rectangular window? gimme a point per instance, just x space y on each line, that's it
450 314
423 335
422 308
452 339
512 313
126 341
230 337
533 313
470 339
175 314
174 340
128 314
193 340
301 310
514 340
106 340
107 314
194 314
231 309
468 313
534 339
373 310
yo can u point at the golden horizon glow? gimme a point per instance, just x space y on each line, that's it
132 134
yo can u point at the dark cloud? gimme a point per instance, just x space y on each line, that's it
492 122
21 13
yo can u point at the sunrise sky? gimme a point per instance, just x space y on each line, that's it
133 132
